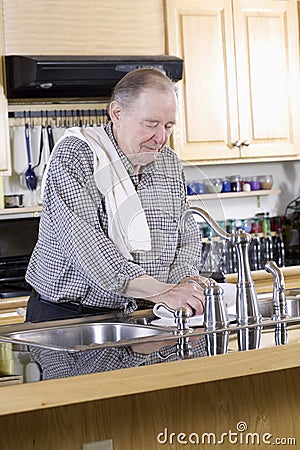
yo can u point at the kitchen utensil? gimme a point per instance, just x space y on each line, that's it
50 137
46 148
41 148
18 150
30 177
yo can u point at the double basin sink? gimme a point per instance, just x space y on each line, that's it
111 330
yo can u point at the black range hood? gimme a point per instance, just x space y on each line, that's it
34 77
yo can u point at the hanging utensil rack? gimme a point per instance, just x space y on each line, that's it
62 117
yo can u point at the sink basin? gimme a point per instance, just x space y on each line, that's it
293 304
87 336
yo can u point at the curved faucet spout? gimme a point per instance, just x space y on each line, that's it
247 310
211 222
272 268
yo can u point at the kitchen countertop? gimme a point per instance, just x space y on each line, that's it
8 310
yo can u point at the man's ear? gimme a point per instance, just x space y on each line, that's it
115 112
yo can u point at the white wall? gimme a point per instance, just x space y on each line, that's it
286 176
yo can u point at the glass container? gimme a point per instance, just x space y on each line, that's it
226 185
266 181
254 183
213 186
235 183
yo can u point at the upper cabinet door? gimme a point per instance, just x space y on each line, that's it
240 94
201 33
267 64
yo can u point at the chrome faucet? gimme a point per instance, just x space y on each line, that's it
279 302
215 318
247 310
183 346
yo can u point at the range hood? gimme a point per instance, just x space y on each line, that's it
34 77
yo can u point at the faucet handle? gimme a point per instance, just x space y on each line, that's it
215 313
215 318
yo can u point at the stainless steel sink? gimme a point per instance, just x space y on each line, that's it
292 299
74 337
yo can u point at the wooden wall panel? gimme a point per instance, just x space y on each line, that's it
265 403
5 163
88 27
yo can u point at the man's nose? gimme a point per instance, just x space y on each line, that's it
160 135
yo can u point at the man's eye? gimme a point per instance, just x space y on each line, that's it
169 126
151 124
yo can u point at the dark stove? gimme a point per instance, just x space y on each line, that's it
17 240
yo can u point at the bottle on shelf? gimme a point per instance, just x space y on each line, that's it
255 250
267 241
278 244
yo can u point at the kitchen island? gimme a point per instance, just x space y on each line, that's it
255 392
226 399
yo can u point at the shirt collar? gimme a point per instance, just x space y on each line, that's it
127 164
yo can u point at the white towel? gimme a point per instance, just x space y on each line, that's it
127 224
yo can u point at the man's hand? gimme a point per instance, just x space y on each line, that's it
187 293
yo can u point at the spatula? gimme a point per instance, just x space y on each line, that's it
30 177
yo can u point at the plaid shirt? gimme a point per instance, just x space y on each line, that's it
75 260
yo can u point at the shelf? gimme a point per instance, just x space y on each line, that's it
36 210
28 211
199 197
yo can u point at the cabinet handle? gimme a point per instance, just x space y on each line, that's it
237 144
245 143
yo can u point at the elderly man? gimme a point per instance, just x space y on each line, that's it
113 198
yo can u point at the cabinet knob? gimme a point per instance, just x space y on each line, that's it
237 143
246 143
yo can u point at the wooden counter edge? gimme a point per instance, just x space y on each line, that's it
264 281
98 386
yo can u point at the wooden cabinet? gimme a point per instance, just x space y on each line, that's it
93 27
241 79
5 166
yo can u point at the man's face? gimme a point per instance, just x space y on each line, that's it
143 128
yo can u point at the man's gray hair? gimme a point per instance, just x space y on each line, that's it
136 81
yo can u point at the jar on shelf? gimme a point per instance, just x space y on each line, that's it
213 185
266 181
196 187
200 187
254 183
226 185
235 183
190 188
246 186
